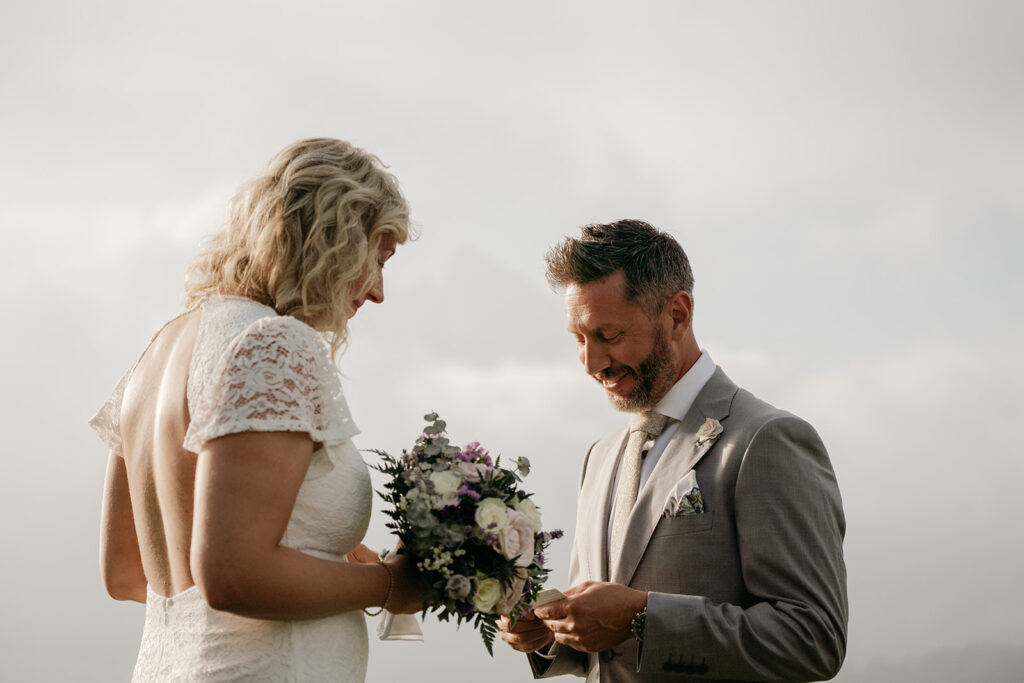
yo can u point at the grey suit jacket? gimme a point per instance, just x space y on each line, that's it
752 589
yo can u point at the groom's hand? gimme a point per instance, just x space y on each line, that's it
594 616
528 635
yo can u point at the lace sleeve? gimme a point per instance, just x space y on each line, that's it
107 422
277 375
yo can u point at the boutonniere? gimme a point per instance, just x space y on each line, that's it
709 431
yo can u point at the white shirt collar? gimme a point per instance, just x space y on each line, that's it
680 397
675 404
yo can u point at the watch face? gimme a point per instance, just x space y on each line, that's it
638 624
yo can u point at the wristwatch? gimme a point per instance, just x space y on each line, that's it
638 624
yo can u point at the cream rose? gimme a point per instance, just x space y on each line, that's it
446 488
487 595
516 539
445 483
492 515
527 507
709 431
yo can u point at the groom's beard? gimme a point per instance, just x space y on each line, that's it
652 378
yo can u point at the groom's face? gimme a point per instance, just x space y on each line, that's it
619 346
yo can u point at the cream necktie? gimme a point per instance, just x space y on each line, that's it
643 428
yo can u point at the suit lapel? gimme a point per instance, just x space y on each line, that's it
681 454
595 505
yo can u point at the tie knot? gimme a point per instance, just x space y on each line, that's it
648 422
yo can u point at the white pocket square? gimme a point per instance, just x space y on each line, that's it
685 498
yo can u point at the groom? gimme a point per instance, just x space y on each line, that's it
709 531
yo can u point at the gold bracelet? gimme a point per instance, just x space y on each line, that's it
387 596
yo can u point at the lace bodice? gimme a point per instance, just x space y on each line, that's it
253 370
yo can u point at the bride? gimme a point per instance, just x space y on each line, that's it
235 500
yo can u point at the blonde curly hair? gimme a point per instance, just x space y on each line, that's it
303 238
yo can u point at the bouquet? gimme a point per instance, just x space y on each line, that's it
475 535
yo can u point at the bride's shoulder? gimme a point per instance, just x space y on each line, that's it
238 336
259 371
230 321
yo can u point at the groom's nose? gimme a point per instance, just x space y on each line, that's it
594 356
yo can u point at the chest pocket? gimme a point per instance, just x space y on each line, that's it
684 524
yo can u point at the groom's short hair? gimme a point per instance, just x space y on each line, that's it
654 264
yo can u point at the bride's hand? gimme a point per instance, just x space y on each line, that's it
362 554
407 590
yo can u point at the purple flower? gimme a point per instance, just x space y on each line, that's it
474 453
465 490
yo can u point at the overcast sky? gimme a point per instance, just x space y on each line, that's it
847 178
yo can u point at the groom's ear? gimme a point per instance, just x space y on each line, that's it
680 310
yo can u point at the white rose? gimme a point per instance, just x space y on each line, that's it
709 430
527 507
488 592
516 539
492 515
446 483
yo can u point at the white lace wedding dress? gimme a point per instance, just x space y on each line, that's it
253 370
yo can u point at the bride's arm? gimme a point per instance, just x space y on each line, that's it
246 485
120 559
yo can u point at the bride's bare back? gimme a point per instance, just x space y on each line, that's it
161 473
